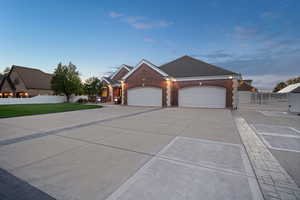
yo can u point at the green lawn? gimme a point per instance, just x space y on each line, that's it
33 109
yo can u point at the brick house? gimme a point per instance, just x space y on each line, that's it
184 82
25 82
111 86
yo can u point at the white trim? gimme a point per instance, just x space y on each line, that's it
147 63
196 78
120 68
128 69
103 78
116 85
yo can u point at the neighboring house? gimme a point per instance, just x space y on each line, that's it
111 86
246 85
25 82
293 88
293 94
184 82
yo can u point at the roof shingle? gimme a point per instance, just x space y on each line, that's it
187 66
34 78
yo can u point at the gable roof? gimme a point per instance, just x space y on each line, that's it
5 78
294 88
127 67
33 78
1 79
187 66
157 69
108 80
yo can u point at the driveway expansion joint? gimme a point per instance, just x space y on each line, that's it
275 182
143 174
56 131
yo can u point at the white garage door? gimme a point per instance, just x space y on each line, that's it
144 96
202 97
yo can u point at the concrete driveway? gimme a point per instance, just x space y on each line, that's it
125 153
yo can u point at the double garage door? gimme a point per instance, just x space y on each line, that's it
200 96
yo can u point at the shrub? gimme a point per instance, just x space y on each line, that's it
81 100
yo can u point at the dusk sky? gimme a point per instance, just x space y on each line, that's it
258 38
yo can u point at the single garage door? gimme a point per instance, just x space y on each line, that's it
144 96
202 97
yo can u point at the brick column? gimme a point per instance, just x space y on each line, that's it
168 91
235 95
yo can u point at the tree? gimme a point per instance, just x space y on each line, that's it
279 86
92 86
282 85
6 70
293 80
66 80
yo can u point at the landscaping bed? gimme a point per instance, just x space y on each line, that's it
33 109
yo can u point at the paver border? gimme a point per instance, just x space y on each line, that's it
274 181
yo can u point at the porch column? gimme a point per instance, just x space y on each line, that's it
110 93
168 90
122 92
235 94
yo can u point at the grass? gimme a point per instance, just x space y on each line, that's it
34 109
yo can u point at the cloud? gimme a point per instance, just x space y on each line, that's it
269 15
150 40
267 81
113 14
215 55
241 32
275 61
284 43
263 63
132 20
140 22
142 25
265 52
